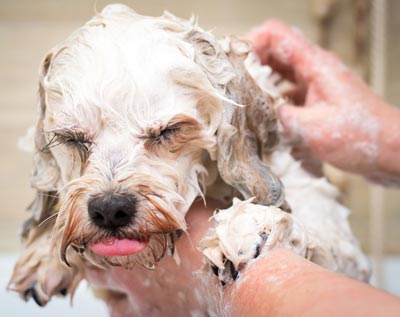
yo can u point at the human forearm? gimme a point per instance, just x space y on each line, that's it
284 284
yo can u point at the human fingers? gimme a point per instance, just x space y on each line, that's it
332 134
288 52
295 95
290 118
305 126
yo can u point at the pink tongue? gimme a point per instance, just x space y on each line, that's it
118 247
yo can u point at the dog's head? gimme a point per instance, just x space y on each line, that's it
133 112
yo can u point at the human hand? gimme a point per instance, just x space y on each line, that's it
340 119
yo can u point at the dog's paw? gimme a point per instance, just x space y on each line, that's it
39 275
243 232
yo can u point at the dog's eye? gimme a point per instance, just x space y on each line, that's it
164 134
173 136
155 136
76 139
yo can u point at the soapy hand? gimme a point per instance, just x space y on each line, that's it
333 113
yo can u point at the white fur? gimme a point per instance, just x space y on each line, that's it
119 81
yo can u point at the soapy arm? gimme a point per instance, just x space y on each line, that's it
284 284
330 111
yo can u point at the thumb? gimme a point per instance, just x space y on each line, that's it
293 119
305 125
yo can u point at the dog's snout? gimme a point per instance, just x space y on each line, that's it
112 212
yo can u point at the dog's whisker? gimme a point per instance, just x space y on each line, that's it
50 195
47 219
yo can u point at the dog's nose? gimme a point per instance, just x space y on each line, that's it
112 212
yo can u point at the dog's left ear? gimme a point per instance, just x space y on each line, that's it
247 131
46 173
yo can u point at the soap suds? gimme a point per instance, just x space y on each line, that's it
354 125
369 150
238 232
246 231
263 75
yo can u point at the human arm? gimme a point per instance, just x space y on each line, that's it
281 283
337 117
284 284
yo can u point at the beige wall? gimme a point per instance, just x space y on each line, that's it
29 28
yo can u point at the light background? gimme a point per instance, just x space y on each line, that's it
29 28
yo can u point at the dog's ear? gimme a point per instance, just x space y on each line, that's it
46 173
247 130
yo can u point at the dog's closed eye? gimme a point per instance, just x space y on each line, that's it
163 135
75 139
178 131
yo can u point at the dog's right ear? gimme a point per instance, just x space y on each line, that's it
247 130
46 173
247 134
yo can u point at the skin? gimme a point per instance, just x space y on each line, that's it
330 112
282 284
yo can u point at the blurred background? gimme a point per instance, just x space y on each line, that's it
364 33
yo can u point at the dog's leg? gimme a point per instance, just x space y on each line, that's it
246 231
40 274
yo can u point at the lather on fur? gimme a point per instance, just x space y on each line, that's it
156 111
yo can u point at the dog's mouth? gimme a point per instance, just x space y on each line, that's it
126 250
119 247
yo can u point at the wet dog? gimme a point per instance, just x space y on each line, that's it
138 117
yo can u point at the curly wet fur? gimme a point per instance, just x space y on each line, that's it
152 107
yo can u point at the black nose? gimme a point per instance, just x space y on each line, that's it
113 211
